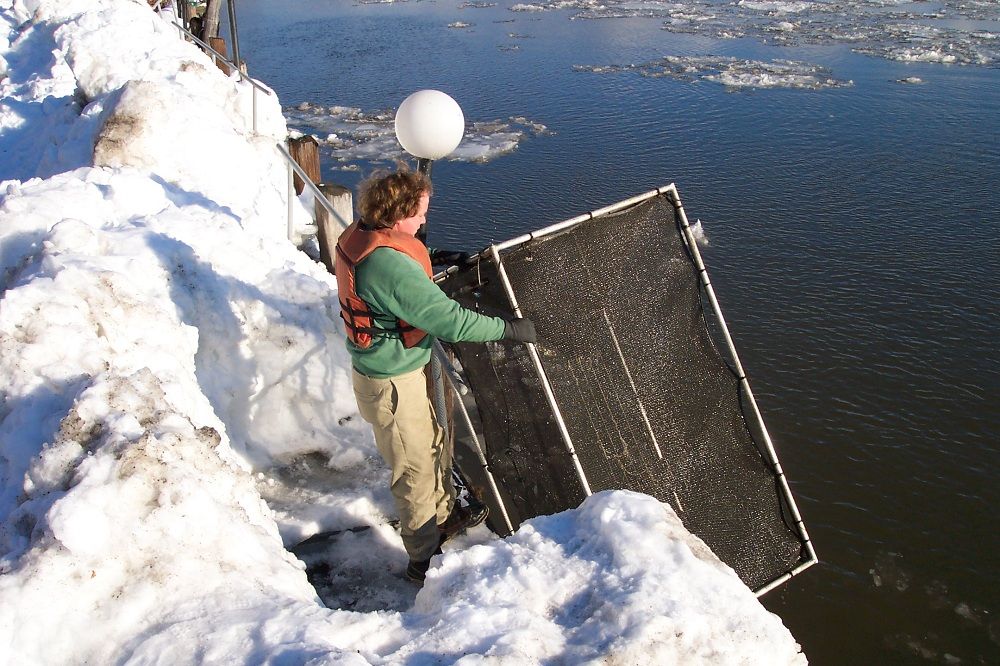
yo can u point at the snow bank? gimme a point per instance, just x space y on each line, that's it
165 354
618 580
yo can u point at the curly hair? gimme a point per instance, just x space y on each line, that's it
385 198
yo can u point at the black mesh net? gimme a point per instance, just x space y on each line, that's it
626 346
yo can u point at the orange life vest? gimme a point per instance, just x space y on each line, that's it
355 244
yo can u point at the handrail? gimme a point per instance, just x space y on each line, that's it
239 70
317 194
293 165
219 56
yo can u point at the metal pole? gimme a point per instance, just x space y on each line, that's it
291 198
546 386
440 406
449 368
467 420
320 197
254 93
424 167
234 34
675 200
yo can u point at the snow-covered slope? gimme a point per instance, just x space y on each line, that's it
164 352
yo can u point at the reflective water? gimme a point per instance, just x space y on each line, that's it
853 231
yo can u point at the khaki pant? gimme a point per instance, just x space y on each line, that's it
412 444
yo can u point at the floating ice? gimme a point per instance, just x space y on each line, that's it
776 7
730 72
523 7
921 43
629 10
976 10
477 5
942 32
352 135
698 231
459 24
775 74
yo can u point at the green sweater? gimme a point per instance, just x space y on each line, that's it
395 287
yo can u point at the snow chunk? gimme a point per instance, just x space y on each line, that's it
618 576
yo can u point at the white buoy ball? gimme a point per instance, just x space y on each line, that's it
429 124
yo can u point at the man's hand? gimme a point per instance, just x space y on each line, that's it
520 330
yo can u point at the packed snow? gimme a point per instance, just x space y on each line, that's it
176 413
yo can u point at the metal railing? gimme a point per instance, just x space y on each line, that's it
293 167
216 57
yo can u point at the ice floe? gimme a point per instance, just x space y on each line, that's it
948 31
733 73
352 135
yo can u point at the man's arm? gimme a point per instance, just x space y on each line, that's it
395 284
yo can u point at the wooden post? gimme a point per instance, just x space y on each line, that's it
211 18
305 151
219 44
187 12
328 230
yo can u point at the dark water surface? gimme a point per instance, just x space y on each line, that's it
854 245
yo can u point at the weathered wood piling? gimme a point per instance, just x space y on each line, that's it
327 229
305 151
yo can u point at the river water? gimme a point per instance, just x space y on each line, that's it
851 200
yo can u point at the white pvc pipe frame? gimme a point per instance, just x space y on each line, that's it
670 191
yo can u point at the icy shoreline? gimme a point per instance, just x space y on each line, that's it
165 352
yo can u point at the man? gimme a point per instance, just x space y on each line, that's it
392 312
